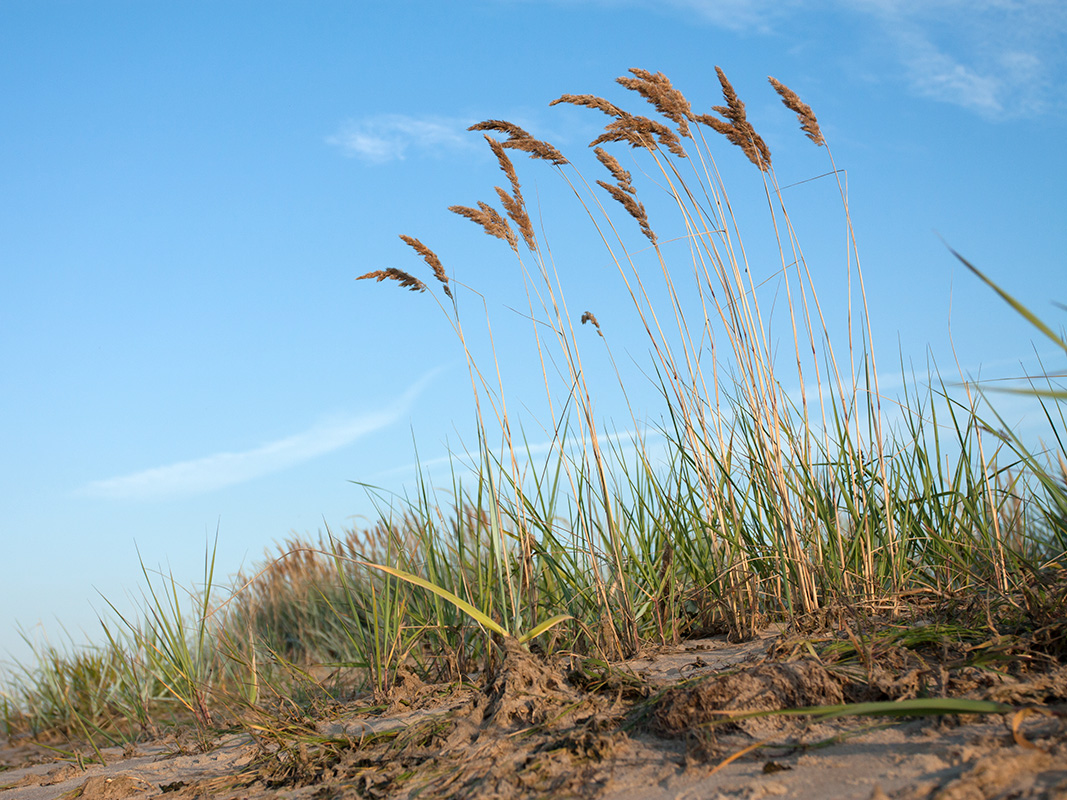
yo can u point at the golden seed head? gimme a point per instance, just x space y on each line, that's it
808 123
640 132
431 258
518 139
621 175
501 126
656 88
736 128
513 204
538 149
590 101
589 317
635 208
490 220
401 277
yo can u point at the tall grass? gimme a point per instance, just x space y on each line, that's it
758 503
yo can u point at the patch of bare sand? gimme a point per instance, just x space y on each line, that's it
537 729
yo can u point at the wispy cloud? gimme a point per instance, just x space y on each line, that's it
389 137
998 58
227 469
619 443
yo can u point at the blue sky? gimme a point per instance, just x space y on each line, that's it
189 190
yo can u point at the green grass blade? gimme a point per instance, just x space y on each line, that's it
1053 394
914 707
544 627
1019 307
444 594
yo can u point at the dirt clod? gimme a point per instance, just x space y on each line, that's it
765 687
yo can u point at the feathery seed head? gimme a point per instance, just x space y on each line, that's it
808 123
490 220
589 317
431 258
656 88
615 168
635 208
401 277
640 132
736 128
590 101
518 139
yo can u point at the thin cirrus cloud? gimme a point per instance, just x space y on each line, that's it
997 58
220 470
391 137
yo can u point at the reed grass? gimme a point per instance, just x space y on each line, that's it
768 505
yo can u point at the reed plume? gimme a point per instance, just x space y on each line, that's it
656 88
634 206
641 132
624 191
513 203
588 316
431 258
401 277
621 175
736 127
591 101
518 139
808 123
490 220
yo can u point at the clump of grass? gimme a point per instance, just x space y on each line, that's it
769 504
772 504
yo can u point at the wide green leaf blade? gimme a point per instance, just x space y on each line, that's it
543 627
459 603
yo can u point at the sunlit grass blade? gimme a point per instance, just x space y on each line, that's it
544 627
444 594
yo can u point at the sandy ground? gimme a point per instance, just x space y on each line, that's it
532 731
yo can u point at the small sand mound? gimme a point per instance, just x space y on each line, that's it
117 787
524 690
765 687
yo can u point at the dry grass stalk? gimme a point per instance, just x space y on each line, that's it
808 123
431 258
737 128
490 220
401 277
591 101
518 139
513 203
657 89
